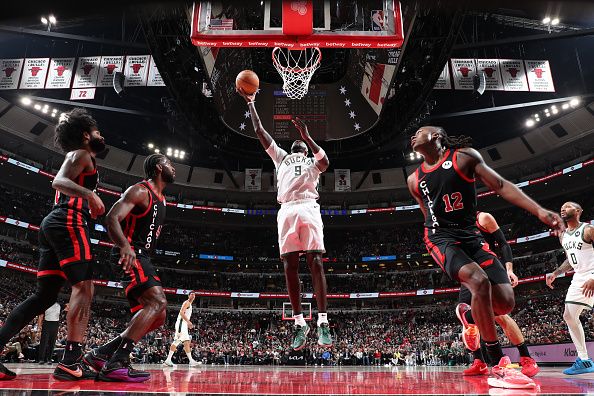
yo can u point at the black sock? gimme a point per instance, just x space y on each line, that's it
468 316
72 352
109 348
523 349
478 354
494 351
124 350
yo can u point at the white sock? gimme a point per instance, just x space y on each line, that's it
189 355
299 320
576 331
170 355
322 318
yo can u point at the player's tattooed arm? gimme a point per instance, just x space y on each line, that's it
589 234
563 268
509 191
262 134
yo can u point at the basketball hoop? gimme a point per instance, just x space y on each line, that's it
296 67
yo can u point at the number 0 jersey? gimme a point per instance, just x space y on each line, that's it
297 175
448 194
580 253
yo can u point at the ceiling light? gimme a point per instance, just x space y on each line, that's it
150 145
555 21
546 20
53 114
44 20
157 151
37 107
574 102
52 19
54 110
553 107
44 111
529 122
555 111
535 115
46 106
26 101
547 114
176 155
176 152
182 155
565 106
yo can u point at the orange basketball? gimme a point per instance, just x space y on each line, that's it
248 81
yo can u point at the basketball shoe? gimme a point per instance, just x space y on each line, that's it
122 371
529 366
470 332
477 367
580 367
95 360
74 372
324 337
300 337
508 378
6 374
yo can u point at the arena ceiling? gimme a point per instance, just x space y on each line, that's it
180 116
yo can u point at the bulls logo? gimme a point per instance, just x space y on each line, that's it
110 68
538 72
60 70
489 71
34 70
253 177
299 6
136 67
447 165
87 69
465 71
8 71
513 71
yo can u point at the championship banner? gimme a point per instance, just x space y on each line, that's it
444 81
342 180
463 71
136 70
87 71
253 179
34 73
539 76
492 73
513 74
108 66
60 73
10 72
154 76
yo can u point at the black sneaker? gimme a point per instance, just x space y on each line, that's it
95 360
73 372
6 374
117 371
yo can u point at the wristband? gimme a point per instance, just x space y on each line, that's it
253 101
320 154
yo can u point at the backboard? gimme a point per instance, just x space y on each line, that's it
298 24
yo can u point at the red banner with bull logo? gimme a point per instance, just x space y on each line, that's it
10 73
539 76
108 67
34 73
136 70
87 71
463 71
60 73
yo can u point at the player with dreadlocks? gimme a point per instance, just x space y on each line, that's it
134 224
444 188
65 245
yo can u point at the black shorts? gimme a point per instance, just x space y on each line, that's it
454 248
143 277
497 275
65 246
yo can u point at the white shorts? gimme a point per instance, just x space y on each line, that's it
181 333
575 296
300 227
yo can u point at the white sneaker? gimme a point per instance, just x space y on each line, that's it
167 363
194 363
21 356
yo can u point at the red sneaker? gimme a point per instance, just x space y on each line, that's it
529 366
470 332
477 367
508 378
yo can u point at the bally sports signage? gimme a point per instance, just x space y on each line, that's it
500 75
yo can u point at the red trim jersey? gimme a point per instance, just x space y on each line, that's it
87 180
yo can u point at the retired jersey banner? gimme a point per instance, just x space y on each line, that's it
342 180
492 74
253 179
539 76
10 72
60 73
136 70
513 74
34 73
463 71
154 76
87 71
108 67
444 81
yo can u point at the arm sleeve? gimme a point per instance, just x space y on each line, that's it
276 153
506 251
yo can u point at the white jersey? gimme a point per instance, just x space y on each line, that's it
182 322
580 253
297 175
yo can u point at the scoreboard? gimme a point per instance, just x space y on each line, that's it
311 109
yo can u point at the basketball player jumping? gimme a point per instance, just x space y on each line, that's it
494 237
134 224
577 242
444 188
300 227
65 245
182 335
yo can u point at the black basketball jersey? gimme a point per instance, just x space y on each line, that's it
143 228
448 195
87 180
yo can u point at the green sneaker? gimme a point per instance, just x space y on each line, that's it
300 337
324 337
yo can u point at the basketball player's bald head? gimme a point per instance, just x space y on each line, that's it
571 210
299 146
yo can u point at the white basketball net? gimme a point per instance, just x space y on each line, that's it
296 67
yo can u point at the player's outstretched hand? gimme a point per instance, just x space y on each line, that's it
588 288
553 220
301 127
190 325
248 98
550 279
